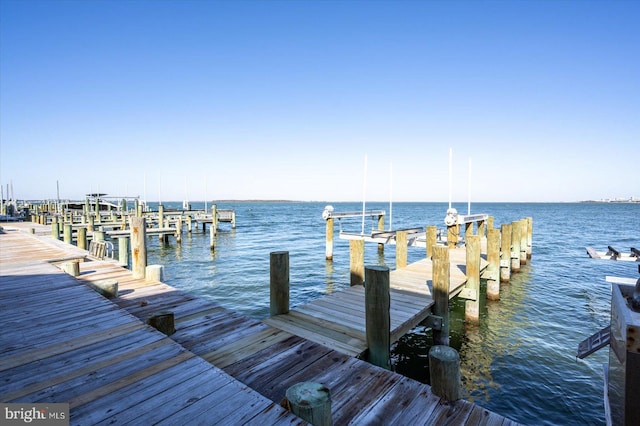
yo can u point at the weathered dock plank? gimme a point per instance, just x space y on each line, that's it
62 342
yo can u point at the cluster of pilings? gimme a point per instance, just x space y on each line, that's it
95 225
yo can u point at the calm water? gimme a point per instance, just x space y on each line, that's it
519 362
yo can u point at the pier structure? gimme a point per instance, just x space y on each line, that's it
107 370
338 320
87 224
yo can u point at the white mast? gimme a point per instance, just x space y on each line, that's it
390 196
364 191
450 174
469 189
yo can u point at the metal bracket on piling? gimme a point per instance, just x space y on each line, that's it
434 322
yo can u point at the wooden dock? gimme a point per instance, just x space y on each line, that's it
338 320
62 342
266 359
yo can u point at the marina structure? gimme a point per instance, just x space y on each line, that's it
217 353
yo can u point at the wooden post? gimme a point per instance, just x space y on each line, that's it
233 219
311 402
529 236
72 268
279 282
68 233
481 228
154 273
214 219
472 305
179 229
381 228
356 261
55 229
515 246
161 237
490 221
123 251
505 252
431 238
82 238
138 246
163 321
452 235
92 221
212 237
107 288
401 249
493 269
189 223
98 235
378 322
468 230
444 371
523 241
440 284
329 239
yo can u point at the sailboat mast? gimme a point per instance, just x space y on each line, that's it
364 191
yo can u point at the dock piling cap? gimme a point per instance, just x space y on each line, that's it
634 300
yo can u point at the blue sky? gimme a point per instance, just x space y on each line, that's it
283 100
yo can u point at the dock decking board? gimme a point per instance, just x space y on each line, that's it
62 342
265 359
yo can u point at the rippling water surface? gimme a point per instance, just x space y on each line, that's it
519 362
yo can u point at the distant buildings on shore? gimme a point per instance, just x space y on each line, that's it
615 200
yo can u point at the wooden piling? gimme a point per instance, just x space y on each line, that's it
493 269
179 230
55 229
72 268
212 237
68 230
472 305
233 219
123 251
481 228
138 246
523 241
154 273
515 246
529 236
441 282
311 402
401 249
163 322
189 223
505 252
452 235
107 288
444 372
356 261
82 238
490 221
91 224
431 239
214 219
468 230
380 228
278 282
329 238
377 316
161 237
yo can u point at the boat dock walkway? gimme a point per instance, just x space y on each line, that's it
100 358
338 320
62 342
